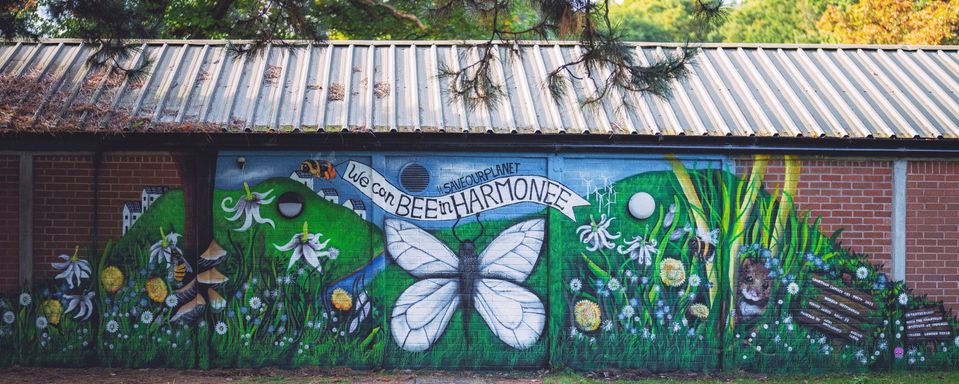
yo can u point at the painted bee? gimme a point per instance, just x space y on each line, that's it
180 268
319 168
703 244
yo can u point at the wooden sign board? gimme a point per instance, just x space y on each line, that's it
927 324
838 311
853 295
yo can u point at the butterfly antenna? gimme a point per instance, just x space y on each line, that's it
482 227
457 223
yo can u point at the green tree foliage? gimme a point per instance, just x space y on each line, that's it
113 25
774 21
659 20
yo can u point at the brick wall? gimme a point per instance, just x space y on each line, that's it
932 230
852 195
63 207
63 216
9 226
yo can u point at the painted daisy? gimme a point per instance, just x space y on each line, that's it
113 326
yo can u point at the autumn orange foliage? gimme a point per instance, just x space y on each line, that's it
892 22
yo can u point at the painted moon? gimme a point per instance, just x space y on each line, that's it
642 205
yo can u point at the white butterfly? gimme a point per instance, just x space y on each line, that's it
488 282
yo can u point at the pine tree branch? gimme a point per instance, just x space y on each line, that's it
393 10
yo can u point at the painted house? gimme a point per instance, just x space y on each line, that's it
150 195
790 208
330 194
357 206
304 178
131 213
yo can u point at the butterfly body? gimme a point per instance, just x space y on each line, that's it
488 282
469 269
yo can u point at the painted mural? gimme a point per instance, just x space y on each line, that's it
490 261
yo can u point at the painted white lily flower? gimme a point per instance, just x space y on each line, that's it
248 206
597 234
307 246
165 248
73 268
83 303
640 250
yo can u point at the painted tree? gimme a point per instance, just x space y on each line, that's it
892 22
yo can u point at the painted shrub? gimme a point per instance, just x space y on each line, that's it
478 261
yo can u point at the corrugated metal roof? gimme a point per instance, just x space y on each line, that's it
736 90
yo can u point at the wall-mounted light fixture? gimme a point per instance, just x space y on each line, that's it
240 162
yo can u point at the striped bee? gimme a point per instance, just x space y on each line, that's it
704 244
319 168
180 268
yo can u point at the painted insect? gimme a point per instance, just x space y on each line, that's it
704 244
319 168
180 268
488 282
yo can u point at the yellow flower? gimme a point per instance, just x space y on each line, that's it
699 311
342 299
588 315
112 279
156 289
52 310
672 272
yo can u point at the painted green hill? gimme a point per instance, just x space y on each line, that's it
166 211
357 240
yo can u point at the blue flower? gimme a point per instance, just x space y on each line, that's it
283 317
599 283
143 272
271 329
743 249
756 247
766 253
645 280
143 302
239 294
603 292
660 313
634 302
257 321
230 313
244 310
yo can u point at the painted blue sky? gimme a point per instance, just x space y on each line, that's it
578 175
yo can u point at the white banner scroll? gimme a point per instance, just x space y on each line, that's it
493 194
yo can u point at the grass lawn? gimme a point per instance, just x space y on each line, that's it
30 375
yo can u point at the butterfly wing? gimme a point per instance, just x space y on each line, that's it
422 313
513 253
513 313
418 252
